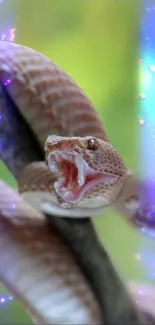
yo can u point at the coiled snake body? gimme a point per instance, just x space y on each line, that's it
83 166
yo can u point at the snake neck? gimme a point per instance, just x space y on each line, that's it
128 200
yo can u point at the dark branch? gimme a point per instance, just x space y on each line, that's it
115 302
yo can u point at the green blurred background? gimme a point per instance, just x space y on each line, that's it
97 43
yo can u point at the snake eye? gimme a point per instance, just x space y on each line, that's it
92 144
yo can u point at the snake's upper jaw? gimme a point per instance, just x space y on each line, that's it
74 176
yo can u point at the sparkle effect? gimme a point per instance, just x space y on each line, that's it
146 119
137 257
146 97
5 299
9 36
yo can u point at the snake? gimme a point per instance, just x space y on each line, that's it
44 110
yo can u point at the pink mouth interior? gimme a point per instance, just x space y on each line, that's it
68 186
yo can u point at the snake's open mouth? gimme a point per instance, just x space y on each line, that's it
74 175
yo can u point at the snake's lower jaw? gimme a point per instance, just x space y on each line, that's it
72 212
48 204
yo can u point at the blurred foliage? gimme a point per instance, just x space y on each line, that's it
97 43
99 50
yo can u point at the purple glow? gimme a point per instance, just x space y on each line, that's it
8 36
5 299
147 112
1 145
3 37
7 82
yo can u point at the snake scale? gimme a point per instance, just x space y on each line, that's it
38 99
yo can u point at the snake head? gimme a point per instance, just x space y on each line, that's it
87 169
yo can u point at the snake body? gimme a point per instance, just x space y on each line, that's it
52 103
36 96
